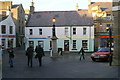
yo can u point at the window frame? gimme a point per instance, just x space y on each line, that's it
85 42
74 31
30 31
40 31
84 31
74 44
3 31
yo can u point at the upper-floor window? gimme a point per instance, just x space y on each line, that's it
31 31
3 13
11 29
74 31
108 14
84 31
40 31
66 31
3 28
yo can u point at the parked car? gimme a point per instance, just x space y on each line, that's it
101 55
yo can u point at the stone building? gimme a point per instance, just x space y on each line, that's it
103 18
116 13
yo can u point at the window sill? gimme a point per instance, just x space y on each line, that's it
74 49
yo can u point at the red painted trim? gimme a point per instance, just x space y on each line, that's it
106 37
7 36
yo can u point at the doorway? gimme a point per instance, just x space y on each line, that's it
66 45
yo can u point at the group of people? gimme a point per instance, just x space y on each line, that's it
39 54
29 53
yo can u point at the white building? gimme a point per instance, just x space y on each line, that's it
7 32
73 30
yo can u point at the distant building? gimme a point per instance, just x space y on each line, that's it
74 30
7 32
103 18
19 18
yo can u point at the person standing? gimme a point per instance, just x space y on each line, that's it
40 53
51 52
29 54
11 56
81 52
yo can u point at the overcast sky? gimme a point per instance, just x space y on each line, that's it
55 5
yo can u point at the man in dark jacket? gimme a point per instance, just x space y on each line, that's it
40 53
81 52
29 54
11 56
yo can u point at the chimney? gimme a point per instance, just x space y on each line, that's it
77 7
32 7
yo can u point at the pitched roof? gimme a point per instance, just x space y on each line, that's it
63 18
14 6
105 6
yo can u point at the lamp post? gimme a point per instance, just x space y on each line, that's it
54 39
110 43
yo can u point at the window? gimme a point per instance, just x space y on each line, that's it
3 28
3 43
74 31
108 14
10 42
3 13
30 31
31 43
66 31
85 44
74 44
84 31
41 43
40 31
11 29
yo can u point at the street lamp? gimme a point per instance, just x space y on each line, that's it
54 39
110 43
54 20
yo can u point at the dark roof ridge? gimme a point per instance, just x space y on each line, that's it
55 11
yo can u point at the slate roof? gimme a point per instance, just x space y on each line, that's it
14 6
63 18
105 6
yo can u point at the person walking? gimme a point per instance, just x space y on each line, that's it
29 54
40 53
81 52
11 56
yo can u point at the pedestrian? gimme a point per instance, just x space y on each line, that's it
81 52
29 54
40 53
11 56
51 52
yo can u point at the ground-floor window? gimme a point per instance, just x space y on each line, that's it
41 43
10 42
105 42
31 43
3 43
85 44
74 44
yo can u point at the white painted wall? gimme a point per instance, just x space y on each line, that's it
60 33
